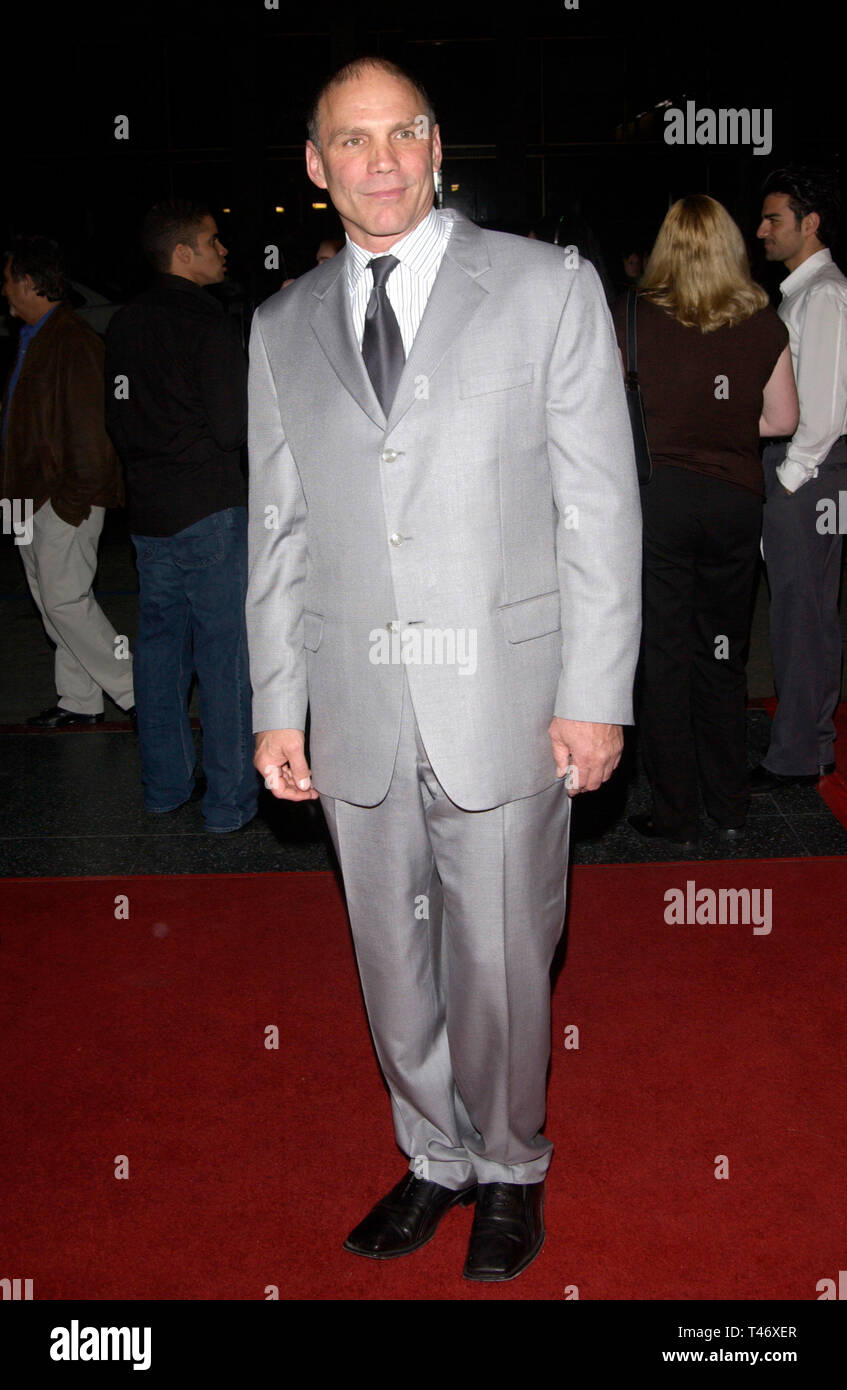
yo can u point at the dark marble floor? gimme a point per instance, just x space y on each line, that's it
70 804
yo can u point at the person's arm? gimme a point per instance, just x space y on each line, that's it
780 408
276 543
223 383
598 535
821 386
86 452
115 366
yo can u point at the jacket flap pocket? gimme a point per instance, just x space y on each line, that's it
532 617
483 382
313 628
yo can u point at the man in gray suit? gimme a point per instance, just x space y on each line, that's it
445 568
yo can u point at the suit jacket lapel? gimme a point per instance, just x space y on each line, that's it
455 297
332 322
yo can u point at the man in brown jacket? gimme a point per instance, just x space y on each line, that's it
60 471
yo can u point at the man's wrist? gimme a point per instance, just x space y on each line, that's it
793 475
607 723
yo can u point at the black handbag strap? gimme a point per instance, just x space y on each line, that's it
631 338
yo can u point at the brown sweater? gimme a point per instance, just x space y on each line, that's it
56 443
703 391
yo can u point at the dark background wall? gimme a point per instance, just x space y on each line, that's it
552 112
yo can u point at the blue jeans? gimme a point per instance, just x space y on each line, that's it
192 592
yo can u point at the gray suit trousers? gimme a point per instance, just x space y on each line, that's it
455 917
804 574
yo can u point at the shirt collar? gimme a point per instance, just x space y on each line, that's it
805 271
414 249
181 282
29 330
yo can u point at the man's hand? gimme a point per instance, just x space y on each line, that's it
586 754
281 760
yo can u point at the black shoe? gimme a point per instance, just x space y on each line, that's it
731 834
645 826
507 1232
57 718
405 1219
762 780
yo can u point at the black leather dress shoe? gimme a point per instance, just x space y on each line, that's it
763 780
57 718
645 826
405 1219
731 834
507 1232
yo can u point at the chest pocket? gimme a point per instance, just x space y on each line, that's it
483 383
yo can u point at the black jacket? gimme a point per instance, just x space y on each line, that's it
176 406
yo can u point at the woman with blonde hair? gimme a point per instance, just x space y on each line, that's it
715 373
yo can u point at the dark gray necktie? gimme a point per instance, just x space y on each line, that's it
382 346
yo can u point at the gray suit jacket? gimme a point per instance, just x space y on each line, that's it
486 538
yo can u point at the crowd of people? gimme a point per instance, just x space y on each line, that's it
375 503
718 374
721 370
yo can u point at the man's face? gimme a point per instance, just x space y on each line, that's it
207 265
781 232
377 158
15 292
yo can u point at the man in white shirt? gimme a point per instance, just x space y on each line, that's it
803 478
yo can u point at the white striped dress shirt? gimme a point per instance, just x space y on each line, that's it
409 284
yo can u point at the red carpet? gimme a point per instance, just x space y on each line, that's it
247 1166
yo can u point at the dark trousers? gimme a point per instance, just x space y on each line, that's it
804 574
701 539
191 618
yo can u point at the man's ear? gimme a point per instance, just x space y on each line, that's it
811 223
182 253
436 148
314 165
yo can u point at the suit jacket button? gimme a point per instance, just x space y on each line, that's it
389 455
396 539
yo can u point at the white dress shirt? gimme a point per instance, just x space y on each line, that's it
814 310
409 284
